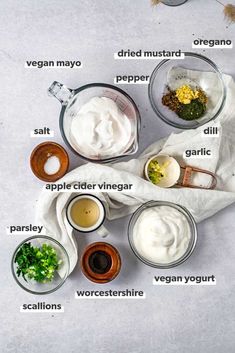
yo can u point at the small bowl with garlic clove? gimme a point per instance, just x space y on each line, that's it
162 170
49 161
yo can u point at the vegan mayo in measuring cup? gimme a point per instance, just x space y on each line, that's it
99 127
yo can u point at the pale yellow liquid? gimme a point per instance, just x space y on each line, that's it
85 213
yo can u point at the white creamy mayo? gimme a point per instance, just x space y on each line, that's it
100 128
161 234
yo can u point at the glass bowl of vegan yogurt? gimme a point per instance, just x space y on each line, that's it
98 121
187 93
162 234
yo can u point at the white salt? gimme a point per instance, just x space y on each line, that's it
52 165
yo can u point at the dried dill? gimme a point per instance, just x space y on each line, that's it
192 111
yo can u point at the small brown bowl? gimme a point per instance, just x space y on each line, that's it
40 155
100 262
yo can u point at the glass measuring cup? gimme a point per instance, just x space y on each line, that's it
73 100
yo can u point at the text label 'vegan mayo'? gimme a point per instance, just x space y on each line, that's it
161 234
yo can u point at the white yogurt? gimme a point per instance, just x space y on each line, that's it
161 234
52 165
99 128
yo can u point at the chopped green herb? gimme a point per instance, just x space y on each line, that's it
37 263
156 172
192 111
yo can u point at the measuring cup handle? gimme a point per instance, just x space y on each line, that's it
103 232
61 92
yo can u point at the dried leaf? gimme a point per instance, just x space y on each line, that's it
229 11
155 2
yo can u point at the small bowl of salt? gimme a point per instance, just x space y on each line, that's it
49 161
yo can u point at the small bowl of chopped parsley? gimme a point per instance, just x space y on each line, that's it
40 265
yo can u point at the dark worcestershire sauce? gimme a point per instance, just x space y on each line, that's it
100 262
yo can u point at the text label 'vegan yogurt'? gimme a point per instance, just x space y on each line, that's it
161 234
101 129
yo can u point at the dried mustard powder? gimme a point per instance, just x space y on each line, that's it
185 94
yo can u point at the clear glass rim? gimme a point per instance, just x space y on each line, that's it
154 106
176 4
191 222
90 85
52 240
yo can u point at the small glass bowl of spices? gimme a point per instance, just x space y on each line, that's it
187 93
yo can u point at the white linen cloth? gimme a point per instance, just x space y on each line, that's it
201 203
